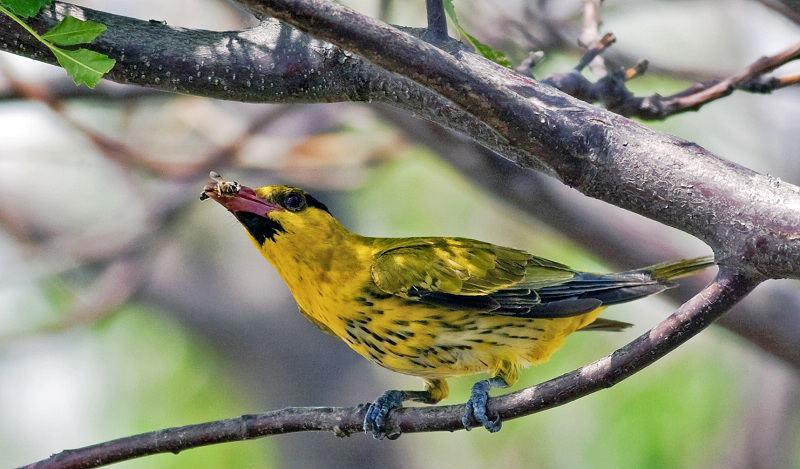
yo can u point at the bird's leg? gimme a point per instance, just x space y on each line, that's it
476 405
375 420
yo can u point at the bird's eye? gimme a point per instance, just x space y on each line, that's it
294 201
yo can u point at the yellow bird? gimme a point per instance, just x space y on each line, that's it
430 307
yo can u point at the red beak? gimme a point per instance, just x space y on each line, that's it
238 198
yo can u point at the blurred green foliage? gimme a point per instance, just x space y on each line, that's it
137 371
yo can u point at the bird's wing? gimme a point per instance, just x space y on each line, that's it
448 265
467 274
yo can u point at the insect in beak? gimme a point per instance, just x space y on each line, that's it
221 188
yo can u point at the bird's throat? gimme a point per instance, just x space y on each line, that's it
260 228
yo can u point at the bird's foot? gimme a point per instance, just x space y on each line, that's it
476 405
378 411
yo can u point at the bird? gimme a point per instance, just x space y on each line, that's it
431 307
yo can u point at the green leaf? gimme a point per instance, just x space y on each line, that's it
71 31
25 8
86 67
492 54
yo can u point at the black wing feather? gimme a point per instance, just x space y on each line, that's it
584 293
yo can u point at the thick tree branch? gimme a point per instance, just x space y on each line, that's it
692 317
251 65
271 63
750 220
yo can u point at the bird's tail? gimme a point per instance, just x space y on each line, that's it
660 276
626 286
668 271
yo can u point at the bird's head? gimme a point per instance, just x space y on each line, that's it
271 212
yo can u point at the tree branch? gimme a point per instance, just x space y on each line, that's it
612 92
692 317
748 219
271 63
750 79
437 21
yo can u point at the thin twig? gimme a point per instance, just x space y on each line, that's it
590 37
596 50
592 20
612 92
437 21
739 81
